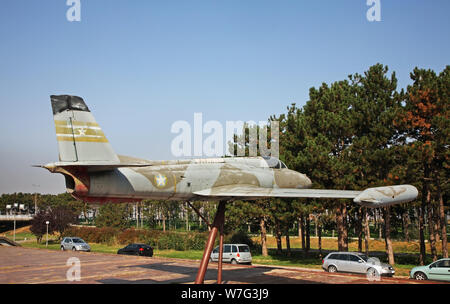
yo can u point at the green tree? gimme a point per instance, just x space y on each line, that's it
426 121
315 140
39 226
60 218
374 110
112 215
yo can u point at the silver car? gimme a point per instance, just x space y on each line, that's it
74 244
233 253
356 263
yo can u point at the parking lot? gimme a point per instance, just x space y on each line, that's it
40 266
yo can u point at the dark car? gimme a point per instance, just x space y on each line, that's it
137 249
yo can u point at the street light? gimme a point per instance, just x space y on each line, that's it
47 222
13 213
35 199
14 238
16 208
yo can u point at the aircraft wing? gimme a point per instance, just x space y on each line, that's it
254 191
371 197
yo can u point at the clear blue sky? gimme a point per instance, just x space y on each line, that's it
141 65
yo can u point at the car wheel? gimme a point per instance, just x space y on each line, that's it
234 262
62 248
332 269
420 276
372 273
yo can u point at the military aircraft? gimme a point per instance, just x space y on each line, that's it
95 173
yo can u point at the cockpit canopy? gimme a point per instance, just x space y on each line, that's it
259 161
275 163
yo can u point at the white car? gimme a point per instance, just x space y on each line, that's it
74 244
233 253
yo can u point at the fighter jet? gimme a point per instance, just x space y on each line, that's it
95 173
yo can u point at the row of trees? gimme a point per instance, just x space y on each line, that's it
363 132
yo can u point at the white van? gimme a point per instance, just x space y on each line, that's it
233 253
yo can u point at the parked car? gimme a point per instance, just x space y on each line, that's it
356 262
137 249
74 244
233 253
439 270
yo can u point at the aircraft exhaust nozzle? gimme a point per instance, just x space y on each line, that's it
386 196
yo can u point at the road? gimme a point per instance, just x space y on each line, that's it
40 266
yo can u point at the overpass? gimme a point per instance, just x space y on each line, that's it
18 217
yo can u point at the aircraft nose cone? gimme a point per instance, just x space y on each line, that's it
291 179
304 181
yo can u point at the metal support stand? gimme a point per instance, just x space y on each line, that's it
217 224
199 214
219 267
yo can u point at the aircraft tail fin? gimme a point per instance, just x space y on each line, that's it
79 136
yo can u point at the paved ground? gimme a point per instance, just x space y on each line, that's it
27 265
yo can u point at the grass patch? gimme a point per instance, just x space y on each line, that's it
190 255
52 245
330 244
21 236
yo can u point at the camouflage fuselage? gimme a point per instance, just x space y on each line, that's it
177 180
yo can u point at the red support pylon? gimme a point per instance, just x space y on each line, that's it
217 224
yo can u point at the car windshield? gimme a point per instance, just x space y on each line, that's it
364 257
77 240
244 249
374 261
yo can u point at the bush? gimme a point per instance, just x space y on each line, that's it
92 234
196 241
155 238
151 237
172 240
130 236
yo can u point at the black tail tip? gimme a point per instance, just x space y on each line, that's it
61 103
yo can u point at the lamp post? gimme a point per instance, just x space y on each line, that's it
46 243
14 238
12 212
35 199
